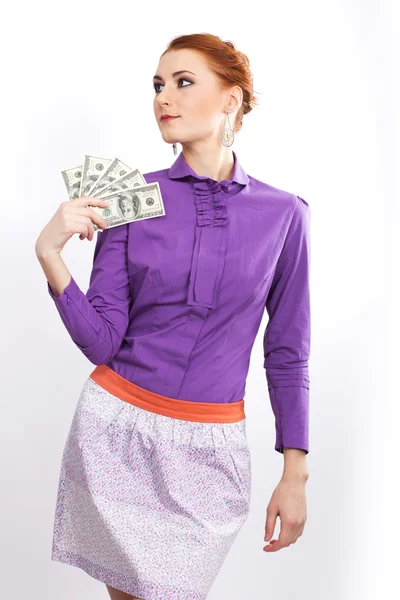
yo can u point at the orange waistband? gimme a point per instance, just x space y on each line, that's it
163 405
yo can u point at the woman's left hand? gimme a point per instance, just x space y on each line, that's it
289 502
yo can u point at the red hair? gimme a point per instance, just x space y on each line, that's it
227 63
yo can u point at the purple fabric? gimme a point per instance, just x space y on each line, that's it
175 302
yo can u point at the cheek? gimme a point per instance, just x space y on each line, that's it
204 112
204 105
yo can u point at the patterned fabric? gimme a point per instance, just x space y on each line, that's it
147 503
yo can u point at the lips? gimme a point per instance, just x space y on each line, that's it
168 118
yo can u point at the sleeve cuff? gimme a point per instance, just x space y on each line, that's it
299 444
291 407
71 291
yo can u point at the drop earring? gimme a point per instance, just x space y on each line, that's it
175 149
227 137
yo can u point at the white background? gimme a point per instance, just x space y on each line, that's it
77 78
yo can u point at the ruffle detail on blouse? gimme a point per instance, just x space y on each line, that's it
211 239
210 203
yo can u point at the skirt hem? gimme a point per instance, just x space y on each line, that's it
144 591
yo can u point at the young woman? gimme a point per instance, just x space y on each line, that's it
155 478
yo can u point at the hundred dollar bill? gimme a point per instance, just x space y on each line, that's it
126 182
115 170
93 169
72 179
127 178
144 202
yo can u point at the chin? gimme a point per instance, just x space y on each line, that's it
170 139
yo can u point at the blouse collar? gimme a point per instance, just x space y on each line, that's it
181 168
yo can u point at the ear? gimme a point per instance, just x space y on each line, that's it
235 99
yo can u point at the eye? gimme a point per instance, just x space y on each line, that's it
180 79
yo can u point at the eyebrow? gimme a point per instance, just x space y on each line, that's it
174 74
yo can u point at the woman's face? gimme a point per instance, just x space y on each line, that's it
195 96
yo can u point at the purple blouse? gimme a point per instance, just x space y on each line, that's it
175 302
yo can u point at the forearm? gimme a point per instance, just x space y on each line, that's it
55 269
97 327
295 464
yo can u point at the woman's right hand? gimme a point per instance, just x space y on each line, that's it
72 216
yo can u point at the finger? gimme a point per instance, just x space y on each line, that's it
270 524
85 202
90 230
95 217
80 227
278 544
271 542
85 226
89 201
86 217
273 546
284 539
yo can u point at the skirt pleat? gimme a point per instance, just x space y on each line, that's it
147 503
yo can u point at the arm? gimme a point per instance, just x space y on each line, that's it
98 320
287 338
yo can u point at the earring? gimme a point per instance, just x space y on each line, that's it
175 149
227 137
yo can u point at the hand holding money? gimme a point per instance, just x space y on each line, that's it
129 197
71 217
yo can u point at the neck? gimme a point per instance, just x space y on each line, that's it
215 162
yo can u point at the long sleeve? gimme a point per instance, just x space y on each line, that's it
287 335
98 320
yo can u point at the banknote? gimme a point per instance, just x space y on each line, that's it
115 170
72 179
131 179
129 196
93 169
143 202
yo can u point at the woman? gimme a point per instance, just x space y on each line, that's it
156 472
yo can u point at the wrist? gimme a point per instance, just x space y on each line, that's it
295 465
293 475
45 255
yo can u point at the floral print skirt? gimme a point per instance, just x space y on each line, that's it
152 490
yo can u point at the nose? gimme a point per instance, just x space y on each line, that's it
164 102
164 105
162 97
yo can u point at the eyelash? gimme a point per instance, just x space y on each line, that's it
180 79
